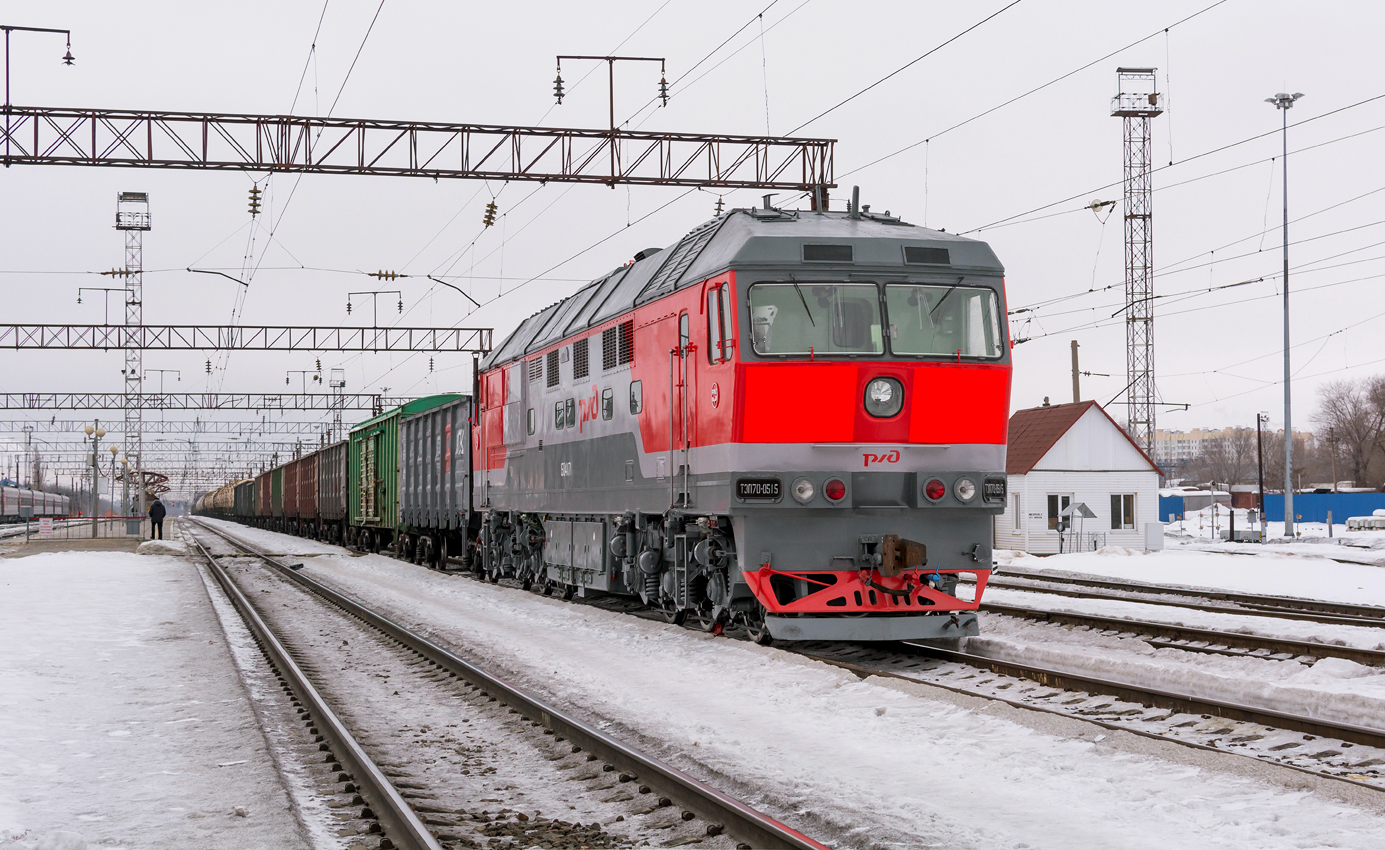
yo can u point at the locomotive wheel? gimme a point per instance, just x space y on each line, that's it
755 627
546 587
674 615
569 591
710 620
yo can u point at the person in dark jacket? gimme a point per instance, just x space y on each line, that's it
156 520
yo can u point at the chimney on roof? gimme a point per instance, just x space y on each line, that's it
1045 401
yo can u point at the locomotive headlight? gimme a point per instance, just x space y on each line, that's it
884 397
965 489
803 491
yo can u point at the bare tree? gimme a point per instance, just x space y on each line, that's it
1353 413
38 472
1230 459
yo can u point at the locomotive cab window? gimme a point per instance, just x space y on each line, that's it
944 320
815 318
636 397
531 421
558 416
608 403
719 311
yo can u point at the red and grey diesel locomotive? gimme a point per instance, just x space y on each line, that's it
790 421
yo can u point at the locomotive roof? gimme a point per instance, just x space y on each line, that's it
750 239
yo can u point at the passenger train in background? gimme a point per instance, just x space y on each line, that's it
789 421
41 504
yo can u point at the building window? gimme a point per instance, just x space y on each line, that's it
579 359
1056 505
1122 511
553 368
1015 499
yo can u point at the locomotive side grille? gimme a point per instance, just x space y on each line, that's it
553 368
626 353
608 348
535 369
617 345
579 359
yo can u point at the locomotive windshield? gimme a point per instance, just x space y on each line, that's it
804 318
956 320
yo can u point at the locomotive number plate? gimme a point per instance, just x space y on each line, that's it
762 489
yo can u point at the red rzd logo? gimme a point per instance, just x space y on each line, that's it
890 457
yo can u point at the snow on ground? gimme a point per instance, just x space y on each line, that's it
273 542
900 761
1311 538
1267 572
122 719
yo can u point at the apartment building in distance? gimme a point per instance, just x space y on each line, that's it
1175 448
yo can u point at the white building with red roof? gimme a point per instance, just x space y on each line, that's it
1064 455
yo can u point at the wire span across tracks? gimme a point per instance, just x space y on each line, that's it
740 820
244 338
305 145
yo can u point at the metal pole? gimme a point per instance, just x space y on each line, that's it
1076 387
95 486
1260 465
1288 408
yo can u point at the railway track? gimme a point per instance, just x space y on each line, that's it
1191 639
1250 605
1184 718
657 781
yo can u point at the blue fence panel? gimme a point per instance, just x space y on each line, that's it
1313 507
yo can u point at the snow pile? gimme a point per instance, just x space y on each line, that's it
162 547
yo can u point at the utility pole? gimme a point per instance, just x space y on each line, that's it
1332 444
1284 102
1076 387
1261 419
1136 102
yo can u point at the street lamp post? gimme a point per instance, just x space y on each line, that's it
1284 102
96 432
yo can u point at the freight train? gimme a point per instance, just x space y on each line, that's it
41 504
789 421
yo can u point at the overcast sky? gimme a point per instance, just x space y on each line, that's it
1216 216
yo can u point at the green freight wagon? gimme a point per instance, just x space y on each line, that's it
373 474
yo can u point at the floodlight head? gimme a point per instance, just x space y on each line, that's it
1284 100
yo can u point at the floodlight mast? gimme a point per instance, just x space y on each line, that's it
1284 102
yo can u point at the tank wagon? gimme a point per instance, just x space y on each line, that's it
790 421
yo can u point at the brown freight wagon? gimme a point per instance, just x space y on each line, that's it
331 491
289 514
306 501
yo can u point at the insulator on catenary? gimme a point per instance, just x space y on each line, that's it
558 88
254 200
489 218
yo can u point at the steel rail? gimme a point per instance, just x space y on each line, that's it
1293 602
745 823
1373 657
863 671
1156 697
1279 613
401 824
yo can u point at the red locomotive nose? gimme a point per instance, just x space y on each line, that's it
834 490
935 490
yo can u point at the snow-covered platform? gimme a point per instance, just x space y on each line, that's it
123 721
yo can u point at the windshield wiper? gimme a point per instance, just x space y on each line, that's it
944 298
804 300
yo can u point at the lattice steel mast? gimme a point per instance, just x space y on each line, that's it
132 217
1136 102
